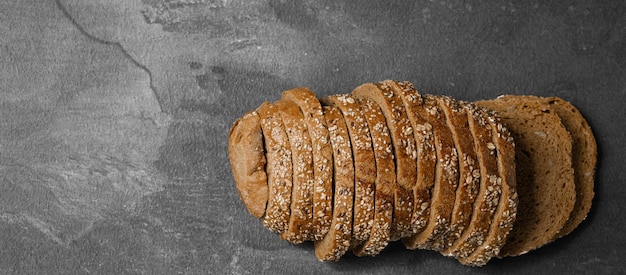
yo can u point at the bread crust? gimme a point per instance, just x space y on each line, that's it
426 153
337 241
364 164
247 159
488 197
322 157
506 212
279 169
446 181
384 183
301 218
468 185
404 151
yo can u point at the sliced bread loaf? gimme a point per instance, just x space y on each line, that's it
247 160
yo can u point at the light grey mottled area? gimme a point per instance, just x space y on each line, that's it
114 120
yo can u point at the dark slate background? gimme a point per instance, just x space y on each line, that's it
114 119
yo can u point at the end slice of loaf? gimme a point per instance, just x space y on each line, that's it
247 160
544 173
584 157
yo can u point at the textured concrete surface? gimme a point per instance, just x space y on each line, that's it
114 118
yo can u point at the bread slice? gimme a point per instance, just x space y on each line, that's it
322 157
426 153
337 241
467 189
364 164
385 181
584 157
489 192
247 160
544 173
300 220
446 181
505 214
279 168
403 148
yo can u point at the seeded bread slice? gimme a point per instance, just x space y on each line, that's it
337 241
247 160
279 168
489 192
505 214
584 157
322 157
404 151
300 220
544 173
364 164
385 181
446 181
467 189
426 153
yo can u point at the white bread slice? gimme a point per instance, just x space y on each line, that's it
247 160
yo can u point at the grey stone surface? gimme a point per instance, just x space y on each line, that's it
114 118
